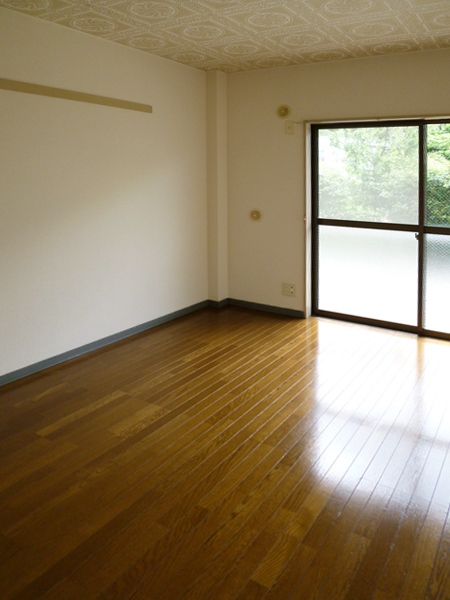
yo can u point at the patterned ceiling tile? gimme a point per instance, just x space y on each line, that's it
35 7
437 21
392 48
92 22
294 41
427 3
152 13
443 40
207 31
379 28
348 7
266 20
145 42
338 54
239 35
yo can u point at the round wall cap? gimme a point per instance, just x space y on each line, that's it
283 111
255 214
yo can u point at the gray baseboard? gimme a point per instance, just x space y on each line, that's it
218 304
60 358
289 312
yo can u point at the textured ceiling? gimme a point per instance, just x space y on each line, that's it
238 35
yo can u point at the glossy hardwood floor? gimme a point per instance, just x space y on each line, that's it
231 455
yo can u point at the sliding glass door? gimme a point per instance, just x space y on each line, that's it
381 224
436 314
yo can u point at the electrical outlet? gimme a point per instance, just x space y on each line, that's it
288 289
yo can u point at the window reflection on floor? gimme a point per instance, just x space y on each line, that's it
383 412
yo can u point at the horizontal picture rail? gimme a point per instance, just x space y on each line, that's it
52 92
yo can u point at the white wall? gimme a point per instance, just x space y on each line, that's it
266 167
102 211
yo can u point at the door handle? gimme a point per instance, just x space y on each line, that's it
417 236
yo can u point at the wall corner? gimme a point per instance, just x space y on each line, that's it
217 184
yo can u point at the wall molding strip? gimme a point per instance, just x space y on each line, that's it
52 92
220 304
288 312
116 337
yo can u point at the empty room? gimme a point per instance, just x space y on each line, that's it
224 299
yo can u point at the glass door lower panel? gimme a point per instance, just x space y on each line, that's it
368 273
437 283
436 247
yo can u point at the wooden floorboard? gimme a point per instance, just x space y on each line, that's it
231 455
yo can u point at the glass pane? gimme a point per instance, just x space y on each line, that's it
368 273
369 174
437 283
438 175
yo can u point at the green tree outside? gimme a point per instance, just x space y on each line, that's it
438 175
372 174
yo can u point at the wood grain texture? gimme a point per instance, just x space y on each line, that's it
233 455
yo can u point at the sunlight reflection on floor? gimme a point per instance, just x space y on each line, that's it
381 415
